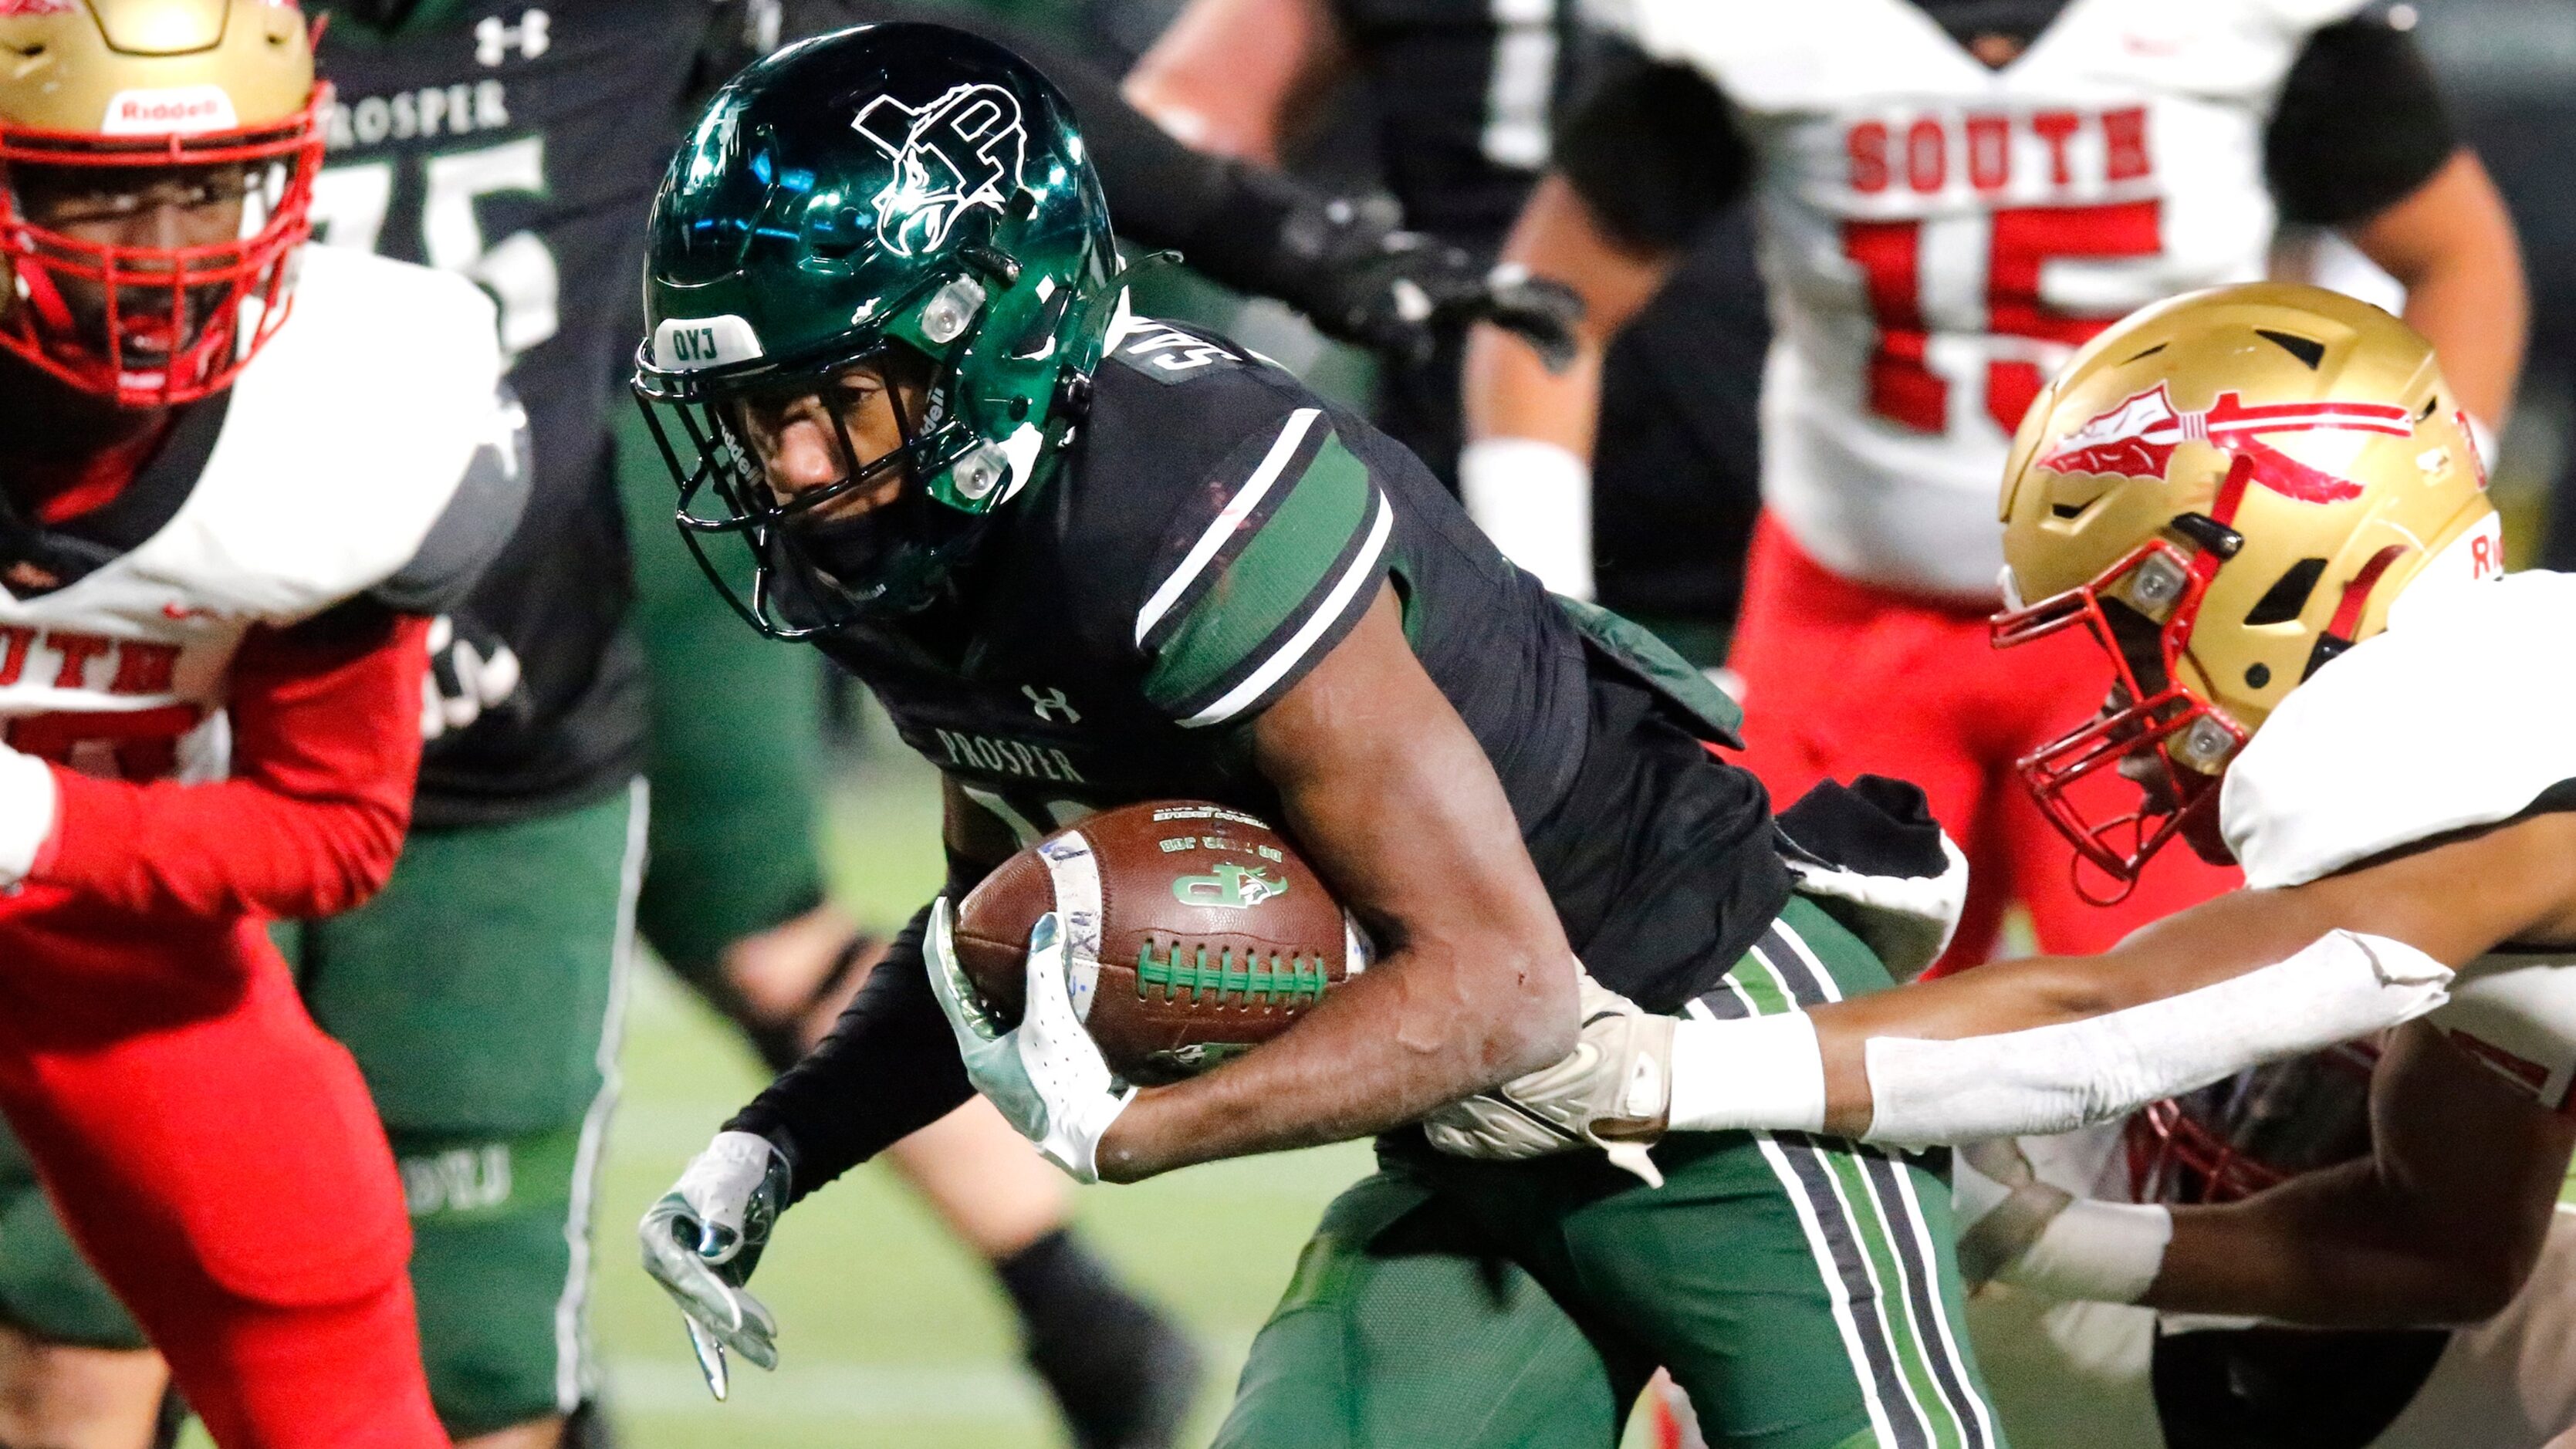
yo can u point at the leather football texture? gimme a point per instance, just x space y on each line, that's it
1196 933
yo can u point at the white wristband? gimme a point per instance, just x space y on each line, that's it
2109 1252
1534 500
27 807
1765 1073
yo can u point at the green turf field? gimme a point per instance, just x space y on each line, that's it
891 1335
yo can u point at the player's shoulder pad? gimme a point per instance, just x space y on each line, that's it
1737 44
1258 527
2454 716
369 444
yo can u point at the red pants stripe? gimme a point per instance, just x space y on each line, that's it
1841 678
217 1157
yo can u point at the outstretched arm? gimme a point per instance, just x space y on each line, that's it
1395 804
2045 1044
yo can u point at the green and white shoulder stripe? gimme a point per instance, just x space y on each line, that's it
1271 583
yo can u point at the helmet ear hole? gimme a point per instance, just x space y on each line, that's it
2288 596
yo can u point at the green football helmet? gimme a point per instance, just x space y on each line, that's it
904 197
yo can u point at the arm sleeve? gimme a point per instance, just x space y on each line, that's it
2359 126
326 742
888 1069
1653 150
1247 600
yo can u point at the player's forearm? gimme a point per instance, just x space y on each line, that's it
326 743
2334 1249
2042 1046
1417 1031
888 1069
2451 244
1510 393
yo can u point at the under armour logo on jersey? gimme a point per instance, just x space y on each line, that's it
960 152
2137 439
1051 706
494 41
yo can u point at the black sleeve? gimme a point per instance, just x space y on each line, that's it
1653 150
2359 126
888 1069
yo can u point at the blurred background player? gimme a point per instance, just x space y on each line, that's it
222 526
483 1011
1458 101
1952 197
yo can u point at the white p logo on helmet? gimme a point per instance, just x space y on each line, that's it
957 153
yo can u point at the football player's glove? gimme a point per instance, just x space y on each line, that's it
1613 1091
1362 279
1046 1074
704 1237
472 670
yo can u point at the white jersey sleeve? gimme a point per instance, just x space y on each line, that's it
2457 715
347 441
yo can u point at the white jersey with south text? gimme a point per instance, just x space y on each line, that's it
339 459
1939 236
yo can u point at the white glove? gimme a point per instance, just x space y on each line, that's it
1612 1092
704 1237
1906 920
2016 1228
1046 1074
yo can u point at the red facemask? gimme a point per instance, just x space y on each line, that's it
2174 744
180 323
2170 746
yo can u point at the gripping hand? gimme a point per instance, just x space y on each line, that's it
1613 1091
704 1237
1366 281
1046 1074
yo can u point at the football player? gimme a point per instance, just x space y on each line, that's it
1463 96
1086 559
222 532
1954 194
480 989
2261 510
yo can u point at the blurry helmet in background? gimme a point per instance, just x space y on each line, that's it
2224 492
110 93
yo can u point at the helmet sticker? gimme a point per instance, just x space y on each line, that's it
959 152
169 110
687 344
2137 439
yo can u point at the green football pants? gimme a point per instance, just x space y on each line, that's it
480 993
736 762
1801 1289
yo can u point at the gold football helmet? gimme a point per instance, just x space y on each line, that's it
205 97
2224 491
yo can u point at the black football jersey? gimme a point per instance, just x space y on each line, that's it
518 142
1213 531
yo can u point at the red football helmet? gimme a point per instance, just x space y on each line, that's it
147 91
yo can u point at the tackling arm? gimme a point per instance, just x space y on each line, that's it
2049 1043
1395 803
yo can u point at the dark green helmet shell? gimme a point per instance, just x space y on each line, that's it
899 184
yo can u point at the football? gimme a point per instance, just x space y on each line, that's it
1196 934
